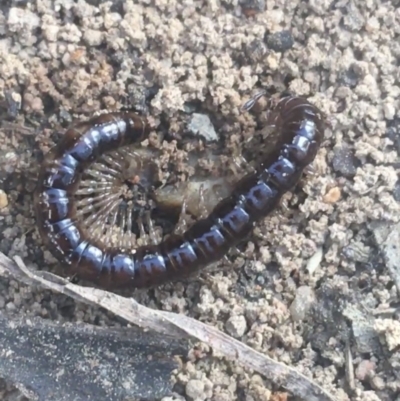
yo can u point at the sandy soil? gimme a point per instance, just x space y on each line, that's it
313 286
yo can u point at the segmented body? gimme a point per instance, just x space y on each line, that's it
256 195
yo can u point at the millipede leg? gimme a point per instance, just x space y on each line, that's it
249 104
234 251
310 170
152 232
240 163
202 203
283 203
181 226
142 232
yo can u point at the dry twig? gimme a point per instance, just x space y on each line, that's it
174 324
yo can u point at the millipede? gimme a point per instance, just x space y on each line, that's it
300 126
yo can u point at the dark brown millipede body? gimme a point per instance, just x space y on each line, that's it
301 128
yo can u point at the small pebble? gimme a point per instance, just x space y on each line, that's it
357 252
195 390
20 19
377 383
256 50
299 308
389 111
393 132
65 116
252 7
200 124
93 37
345 162
10 307
353 18
236 325
365 369
279 396
14 101
390 330
280 41
315 261
3 199
396 191
349 78
333 195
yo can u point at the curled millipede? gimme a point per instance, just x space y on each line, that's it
117 265
113 199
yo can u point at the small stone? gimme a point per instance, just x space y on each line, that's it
280 41
65 116
3 199
332 196
252 7
14 101
93 37
349 78
300 306
396 191
37 105
365 369
256 50
195 390
50 32
344 162
353 19
22 19
390 330
377 383
389 110
10 307
279 396
393 131
32 103
315 261
357 252
236 325
200 124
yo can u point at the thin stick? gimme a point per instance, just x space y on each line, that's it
174 324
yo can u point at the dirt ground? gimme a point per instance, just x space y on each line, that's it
317 285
